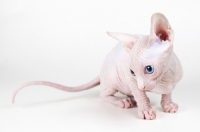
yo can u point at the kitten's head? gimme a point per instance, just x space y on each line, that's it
149 55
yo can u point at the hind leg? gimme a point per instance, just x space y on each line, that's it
108 96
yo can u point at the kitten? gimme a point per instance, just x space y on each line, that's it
136 65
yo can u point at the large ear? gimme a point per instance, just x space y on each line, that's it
160 28
127 39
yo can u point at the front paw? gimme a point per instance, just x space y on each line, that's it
147 114
169 107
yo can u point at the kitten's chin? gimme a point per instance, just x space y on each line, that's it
151 85
149 89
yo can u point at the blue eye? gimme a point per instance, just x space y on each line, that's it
149 69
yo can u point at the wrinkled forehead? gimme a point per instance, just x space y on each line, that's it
143 52
155 51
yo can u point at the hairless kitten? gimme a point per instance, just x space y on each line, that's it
139 63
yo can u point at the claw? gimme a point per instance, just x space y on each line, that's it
147 114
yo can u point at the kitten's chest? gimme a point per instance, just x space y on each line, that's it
166 84
162 88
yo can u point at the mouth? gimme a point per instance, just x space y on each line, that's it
150 86
147 89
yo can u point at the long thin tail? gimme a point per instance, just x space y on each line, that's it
86 86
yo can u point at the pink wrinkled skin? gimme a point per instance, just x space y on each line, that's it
135 52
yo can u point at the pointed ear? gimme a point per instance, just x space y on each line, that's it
160 29
127 39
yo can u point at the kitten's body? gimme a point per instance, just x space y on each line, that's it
136 65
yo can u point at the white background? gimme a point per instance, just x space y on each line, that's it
66 42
